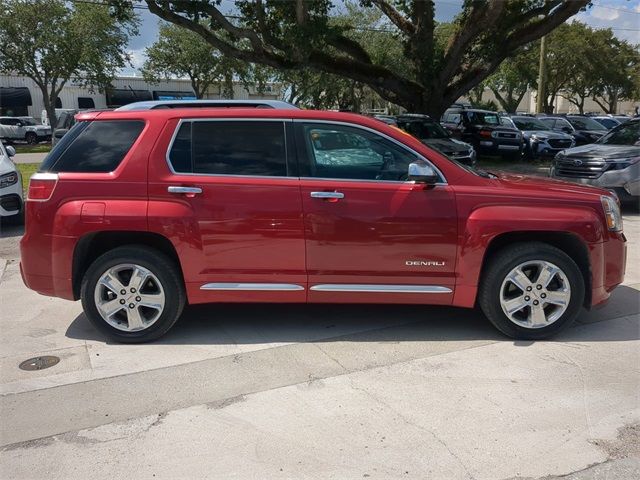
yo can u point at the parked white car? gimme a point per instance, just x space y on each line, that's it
10 186
23 129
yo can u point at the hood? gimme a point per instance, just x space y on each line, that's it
548 187
597 133
446 145
38 128
6 165
606 152
548 134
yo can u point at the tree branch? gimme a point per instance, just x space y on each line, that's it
396 17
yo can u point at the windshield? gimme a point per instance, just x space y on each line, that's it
524 123
585 123
625 134
483 118
423 129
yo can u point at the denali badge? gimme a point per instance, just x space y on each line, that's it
423 263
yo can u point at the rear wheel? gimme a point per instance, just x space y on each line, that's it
31 138
133 294
531 291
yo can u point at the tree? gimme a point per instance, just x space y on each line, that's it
513 78
619 76
322 90
301 35
179 52
587 63
52 42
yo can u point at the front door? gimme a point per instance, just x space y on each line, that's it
371 235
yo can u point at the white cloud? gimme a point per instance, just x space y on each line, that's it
604 13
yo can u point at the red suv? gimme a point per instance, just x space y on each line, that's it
138 212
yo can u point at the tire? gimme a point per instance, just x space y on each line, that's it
498 294
31 138
163 285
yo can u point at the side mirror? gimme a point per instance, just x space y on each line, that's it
422 172
59 133
566 129
10 150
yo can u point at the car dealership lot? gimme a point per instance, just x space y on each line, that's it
268 391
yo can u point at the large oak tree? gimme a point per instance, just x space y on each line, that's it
300 34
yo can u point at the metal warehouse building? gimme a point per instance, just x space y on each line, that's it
20 96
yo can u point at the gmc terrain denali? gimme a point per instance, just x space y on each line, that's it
138 212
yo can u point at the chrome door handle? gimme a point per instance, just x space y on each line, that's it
327 195
187 190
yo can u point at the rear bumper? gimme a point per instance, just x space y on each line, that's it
45 264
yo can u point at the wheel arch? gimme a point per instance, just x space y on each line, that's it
568 242
94 244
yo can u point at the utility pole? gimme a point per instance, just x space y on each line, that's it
542 77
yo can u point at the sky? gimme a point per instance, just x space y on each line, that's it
623 16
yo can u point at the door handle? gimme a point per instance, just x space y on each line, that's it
328 195
188 191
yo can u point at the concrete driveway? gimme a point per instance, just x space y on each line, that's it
296 392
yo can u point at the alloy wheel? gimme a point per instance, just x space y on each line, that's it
535 294
129 297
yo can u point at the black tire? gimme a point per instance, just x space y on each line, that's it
503 262
31 138
161 266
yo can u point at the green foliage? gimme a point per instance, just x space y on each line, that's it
513 78
179 52
52 42
421 66
586 63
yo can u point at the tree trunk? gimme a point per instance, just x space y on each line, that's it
50 107
228 86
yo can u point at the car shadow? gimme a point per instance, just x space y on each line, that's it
242 324
7 230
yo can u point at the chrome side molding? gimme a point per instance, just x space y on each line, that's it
272 287
364 288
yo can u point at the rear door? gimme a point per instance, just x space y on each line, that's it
371 235
228 199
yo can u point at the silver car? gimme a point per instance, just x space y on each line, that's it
539 139
613 162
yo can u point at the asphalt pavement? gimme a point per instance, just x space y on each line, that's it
318 392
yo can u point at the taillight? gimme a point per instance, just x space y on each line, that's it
485 133
41 186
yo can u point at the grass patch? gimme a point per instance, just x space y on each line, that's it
27 169
43 148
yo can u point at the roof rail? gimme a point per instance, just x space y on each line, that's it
157 104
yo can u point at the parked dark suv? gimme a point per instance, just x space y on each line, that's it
434 135
583 129
482 129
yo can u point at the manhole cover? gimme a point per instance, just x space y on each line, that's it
39 363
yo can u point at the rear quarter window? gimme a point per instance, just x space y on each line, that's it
93 147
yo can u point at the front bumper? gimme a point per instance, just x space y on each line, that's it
625 182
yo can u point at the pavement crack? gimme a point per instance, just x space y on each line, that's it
408 421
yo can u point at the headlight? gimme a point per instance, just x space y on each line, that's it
539 138
612 213
8 179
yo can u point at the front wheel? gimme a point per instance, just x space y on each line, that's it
133 294
531 291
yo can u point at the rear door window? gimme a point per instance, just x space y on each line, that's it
255 148
94 147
